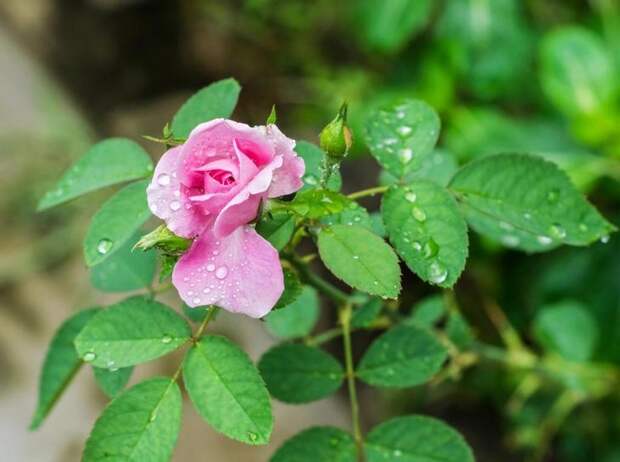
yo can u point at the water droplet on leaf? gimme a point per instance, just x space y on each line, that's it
89 357
166 339
437 273
104 246
418 214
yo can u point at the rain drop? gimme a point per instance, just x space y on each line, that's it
252 436
163 179
605 239
510 240
221 272
405 155
166 339
196 301
437 273
431 249
89 357
104 246
404 130
418 214
210 267
411 196
417 246
557 231
175 205
544 240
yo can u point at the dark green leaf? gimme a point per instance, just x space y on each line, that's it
116 222
292 289
130 332
416 438
60 365
427 230
296 373
400 137
526 202
227 390
112 381
404 356
277 228
427 311
366 314
141 424
112 161
361 259
318 444
216 100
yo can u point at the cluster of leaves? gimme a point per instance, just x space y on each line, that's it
521 201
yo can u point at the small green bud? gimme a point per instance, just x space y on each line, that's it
335 138
272 116
165 240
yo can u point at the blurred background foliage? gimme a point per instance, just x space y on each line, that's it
536 76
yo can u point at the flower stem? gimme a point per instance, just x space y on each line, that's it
205 322
345 320
368 192
318 282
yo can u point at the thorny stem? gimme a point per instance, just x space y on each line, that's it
368 192
345 320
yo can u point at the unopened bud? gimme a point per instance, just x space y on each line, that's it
335 138
165 240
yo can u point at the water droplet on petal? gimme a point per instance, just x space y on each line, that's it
104 246
163 179
196 301
210 267
221 272
175 205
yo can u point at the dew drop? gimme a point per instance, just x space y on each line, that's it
557 231
397 453
356 257
605 239
166 339
175 205
411 196
163 179
405 155
104 246
252 436
510 240
431 248
437 273
404 130
417 246
221 272
196 301
89 357
544 240
418 214
210 267
506 226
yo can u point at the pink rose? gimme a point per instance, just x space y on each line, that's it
209 189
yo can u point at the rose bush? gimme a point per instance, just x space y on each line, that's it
210 188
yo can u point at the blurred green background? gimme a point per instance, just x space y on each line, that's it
536 76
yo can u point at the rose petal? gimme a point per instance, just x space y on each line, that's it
240 273
166 200
287 178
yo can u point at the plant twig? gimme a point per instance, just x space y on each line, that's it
368 192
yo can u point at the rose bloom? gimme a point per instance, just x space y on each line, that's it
209 189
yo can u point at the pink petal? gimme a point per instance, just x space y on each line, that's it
240 273
243 208
168 201
287 178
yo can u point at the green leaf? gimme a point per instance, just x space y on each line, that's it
318 444
292 289
577 72
60 365
296 373
317 203
116 222
197 313
126 270
298 318
141 424
387 26
404 356
427 311
112 381
366 314
458 330
227 390
273 117
416 438
361 259
133 331
277 228
352 214
216 100
400 137
427 230
112 161
313 157
568 329
439 167
527 203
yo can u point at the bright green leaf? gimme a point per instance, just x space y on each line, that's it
141 424
277 228
526 202
439 167
352 214
297 319
400 137
427 230
227 390
318 444
361 259
404 356
125 270
317 203
386 26
416 438
116 222
577 72
60 365
112 381
296 373
133 331
216 100
112 161
568 329
313 157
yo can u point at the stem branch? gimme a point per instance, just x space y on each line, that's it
368 192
